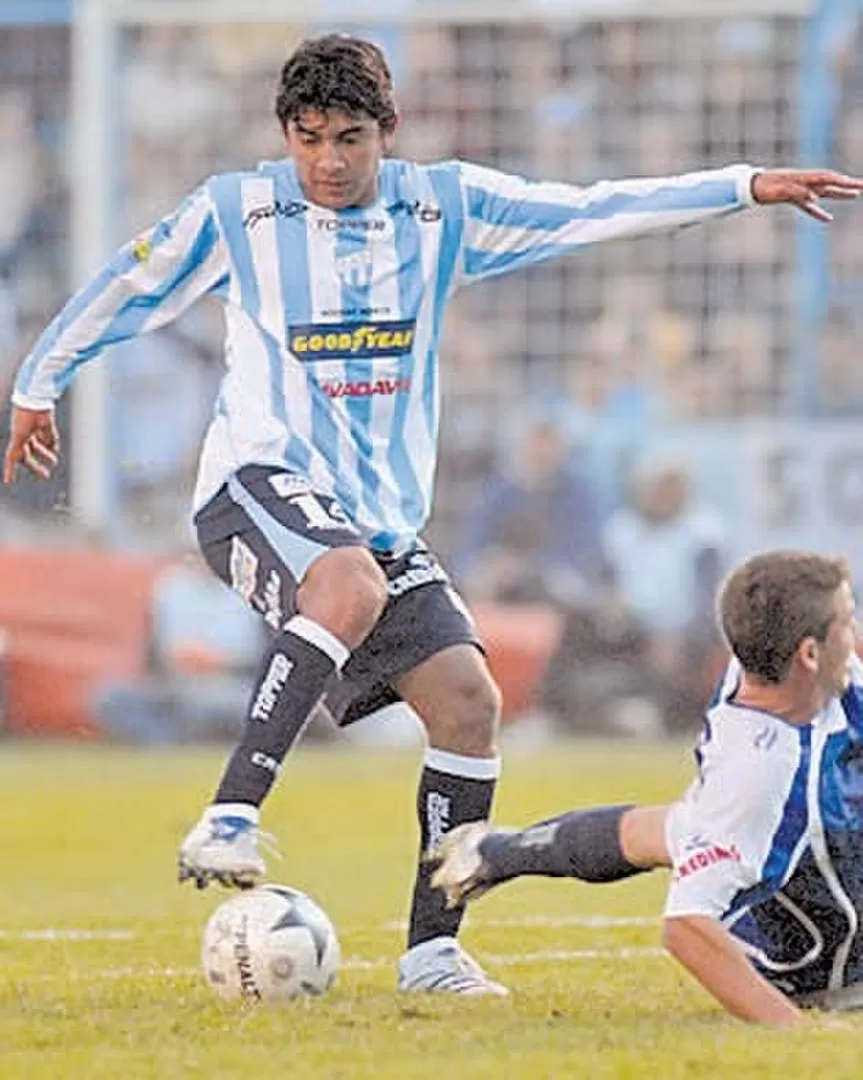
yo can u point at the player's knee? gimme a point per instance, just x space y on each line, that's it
346 591
473 716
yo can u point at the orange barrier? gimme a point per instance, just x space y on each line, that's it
519 642
72 620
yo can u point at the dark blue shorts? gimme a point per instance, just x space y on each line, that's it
803 939
261 532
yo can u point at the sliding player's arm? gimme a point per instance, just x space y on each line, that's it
711 867
510 222
709 952
699 941
147 284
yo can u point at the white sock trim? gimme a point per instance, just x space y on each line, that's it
320 637
233 809
473 768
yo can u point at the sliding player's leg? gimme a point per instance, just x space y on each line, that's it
598 845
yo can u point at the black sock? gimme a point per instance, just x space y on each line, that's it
293 675
583 844
452 791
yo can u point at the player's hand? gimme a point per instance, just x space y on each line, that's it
33 442
804 187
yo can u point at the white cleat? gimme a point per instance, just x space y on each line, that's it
223 847
462 872
441 966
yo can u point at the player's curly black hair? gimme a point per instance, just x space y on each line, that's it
337 71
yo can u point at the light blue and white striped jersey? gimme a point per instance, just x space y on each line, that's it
739 832
333 318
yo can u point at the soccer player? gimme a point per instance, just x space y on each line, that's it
334 267
766 845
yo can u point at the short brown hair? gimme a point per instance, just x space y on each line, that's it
772 602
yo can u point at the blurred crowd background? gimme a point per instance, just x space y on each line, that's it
618 427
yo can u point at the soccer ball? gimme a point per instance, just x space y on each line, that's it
271 943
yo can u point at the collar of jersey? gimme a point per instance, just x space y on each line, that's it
350 211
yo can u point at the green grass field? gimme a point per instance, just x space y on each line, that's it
99 971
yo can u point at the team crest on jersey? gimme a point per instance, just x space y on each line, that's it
356 269
342 341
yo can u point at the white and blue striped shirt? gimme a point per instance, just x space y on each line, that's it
333 318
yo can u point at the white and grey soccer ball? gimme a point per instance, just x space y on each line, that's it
271 943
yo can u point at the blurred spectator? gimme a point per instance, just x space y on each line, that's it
665 551
636 662
534 535
738 344
665 554
204 650
635 345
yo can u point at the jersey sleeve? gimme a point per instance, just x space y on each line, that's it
735 836
709 867
511 222
147 284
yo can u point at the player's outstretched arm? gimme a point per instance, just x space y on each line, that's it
805 188
709 952
33 442
512 222
147 284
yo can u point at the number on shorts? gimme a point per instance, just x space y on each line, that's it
317 515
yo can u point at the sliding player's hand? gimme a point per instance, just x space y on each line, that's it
33 442
804 188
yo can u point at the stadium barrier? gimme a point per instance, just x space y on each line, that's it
72 620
